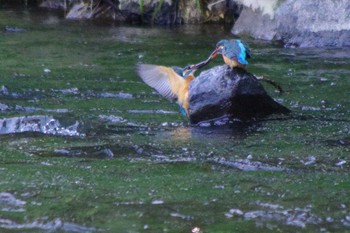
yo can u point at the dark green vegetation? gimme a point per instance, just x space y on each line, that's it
137 166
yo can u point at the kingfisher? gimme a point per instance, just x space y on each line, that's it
234 52
170 82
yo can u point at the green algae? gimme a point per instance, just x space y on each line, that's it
140 167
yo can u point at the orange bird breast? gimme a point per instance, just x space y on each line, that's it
232 62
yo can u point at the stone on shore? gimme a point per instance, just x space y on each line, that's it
297 23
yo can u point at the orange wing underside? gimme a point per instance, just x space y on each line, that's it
167 82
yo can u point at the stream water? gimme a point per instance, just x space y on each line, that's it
86 146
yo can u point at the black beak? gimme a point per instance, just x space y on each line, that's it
205 62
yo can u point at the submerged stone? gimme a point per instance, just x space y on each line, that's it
10 29
234 93
38 124
247 165
9 200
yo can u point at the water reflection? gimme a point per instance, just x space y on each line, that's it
211 132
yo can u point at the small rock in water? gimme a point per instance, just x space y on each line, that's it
233 212
157 202
112 118
3 107
309 160
107 152
62 152
120 95
10 200
340 163
10 29
70 91
196 230
47 70
4 90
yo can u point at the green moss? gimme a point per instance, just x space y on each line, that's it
141 10
157 10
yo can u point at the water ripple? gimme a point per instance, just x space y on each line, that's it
9 203
54 225
246 165
299 217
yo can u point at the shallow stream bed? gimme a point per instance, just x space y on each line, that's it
86 146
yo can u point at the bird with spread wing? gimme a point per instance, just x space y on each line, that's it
171 82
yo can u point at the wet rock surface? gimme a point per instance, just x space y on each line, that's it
299 217
234 93
11 29
9 203
246 165
292 22
39 124
167 12
48 226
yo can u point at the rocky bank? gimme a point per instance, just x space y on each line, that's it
297 23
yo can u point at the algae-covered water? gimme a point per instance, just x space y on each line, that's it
85 146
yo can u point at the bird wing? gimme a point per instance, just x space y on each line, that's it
247 49
164 79
231 49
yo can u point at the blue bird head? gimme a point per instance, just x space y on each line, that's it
189 70
186 71
220 45
178 70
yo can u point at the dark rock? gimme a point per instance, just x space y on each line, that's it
297 23
222 91
161 12
103 9
85 152
134 11
157 12
53 4
80 11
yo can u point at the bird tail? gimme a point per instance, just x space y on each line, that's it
271 82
